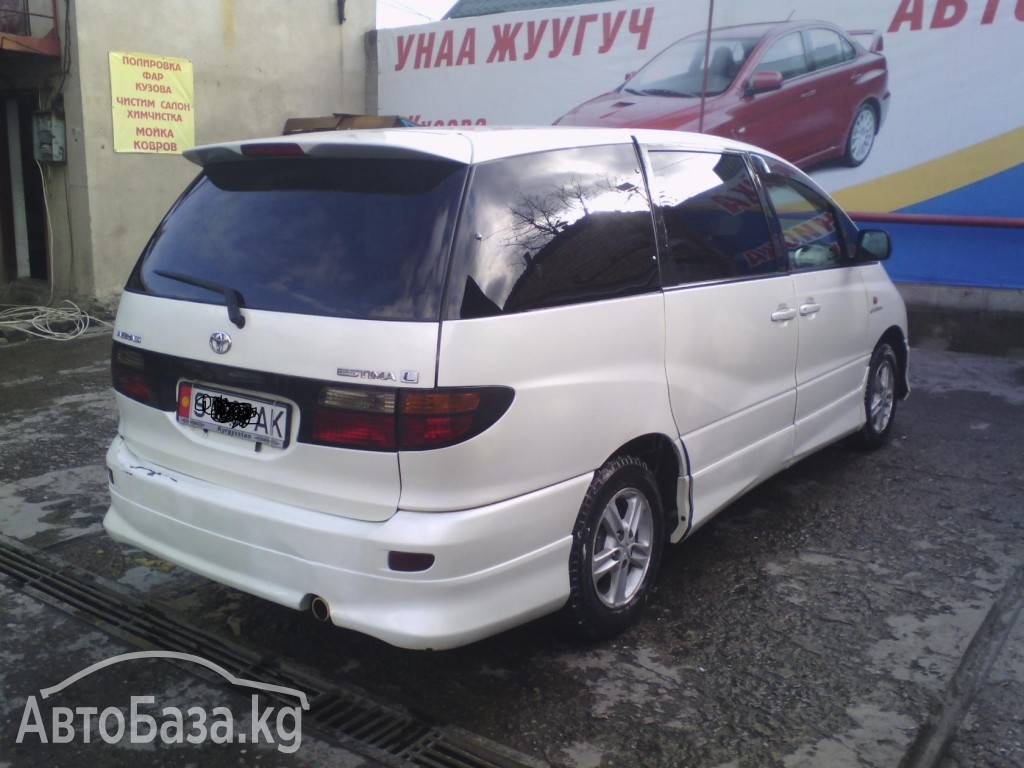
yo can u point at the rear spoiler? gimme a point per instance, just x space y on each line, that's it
340 121
869 38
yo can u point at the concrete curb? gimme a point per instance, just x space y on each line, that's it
985 321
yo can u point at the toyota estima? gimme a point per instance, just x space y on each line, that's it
431 384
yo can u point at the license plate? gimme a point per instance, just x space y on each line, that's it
230 413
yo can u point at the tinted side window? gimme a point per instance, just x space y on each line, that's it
356 238
714 221
553 228
808 224
828 48
786 55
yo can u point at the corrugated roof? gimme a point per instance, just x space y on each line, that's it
465 8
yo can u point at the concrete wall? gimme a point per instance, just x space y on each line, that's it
255 63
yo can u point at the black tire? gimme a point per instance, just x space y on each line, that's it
880 397
614 560
861 137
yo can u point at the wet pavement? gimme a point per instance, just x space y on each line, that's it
859 609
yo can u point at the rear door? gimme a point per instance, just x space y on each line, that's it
265 416
731 324
839 84
277 311
783 121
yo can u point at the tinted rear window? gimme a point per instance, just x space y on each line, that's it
551 229
714 221
356 238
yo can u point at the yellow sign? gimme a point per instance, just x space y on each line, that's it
152 99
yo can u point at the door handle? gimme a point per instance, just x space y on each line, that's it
810 308
809 94
782 314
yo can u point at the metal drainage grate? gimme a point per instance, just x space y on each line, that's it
342 714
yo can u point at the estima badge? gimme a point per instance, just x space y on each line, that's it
220 342
407 377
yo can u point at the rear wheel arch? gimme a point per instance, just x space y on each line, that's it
860 138
660 455
877 109
617 542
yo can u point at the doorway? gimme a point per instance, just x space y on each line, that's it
23 238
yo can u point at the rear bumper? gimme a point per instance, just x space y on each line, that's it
496 566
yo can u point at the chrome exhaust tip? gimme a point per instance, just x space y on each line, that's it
320 609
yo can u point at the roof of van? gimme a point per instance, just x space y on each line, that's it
462 145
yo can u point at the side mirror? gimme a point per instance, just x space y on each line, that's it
873 245
762 82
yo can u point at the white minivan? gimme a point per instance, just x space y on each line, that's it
431 383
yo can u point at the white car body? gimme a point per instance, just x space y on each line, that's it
715 383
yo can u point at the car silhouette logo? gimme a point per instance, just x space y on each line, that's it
220 342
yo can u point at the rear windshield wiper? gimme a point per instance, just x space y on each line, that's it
234 298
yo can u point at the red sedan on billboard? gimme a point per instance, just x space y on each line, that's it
808 90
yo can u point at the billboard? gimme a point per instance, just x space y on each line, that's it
892 105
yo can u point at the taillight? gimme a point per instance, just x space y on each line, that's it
375 431
437 418
129 375
404 420
355 418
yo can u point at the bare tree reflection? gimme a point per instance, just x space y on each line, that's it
580 242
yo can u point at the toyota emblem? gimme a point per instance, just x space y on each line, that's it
220 342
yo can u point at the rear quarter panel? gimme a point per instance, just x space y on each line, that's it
588 378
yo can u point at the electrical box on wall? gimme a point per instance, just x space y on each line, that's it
49 140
